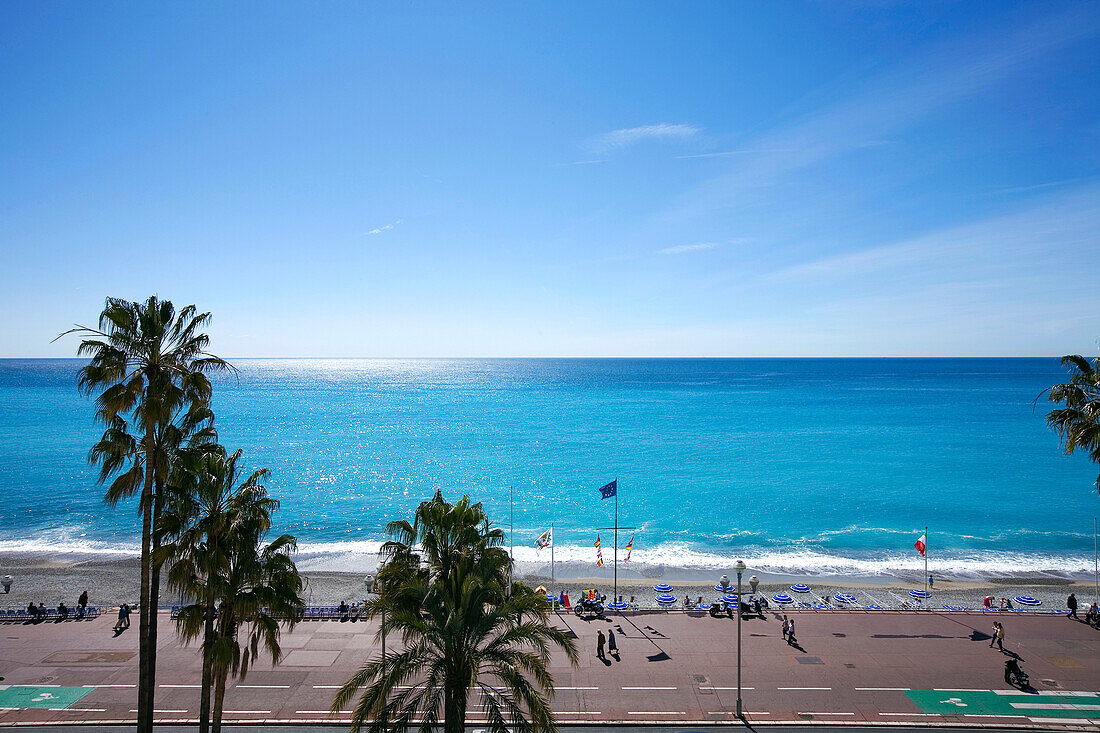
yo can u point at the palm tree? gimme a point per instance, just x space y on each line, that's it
148 364
447 596
259 586
1078 422
207 511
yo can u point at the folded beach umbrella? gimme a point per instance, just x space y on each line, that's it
730 598
953 608
666 598
1027 601
800 588
663 588
920 593
873 607
845 598
782 598
822 606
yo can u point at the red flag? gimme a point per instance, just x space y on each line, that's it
922 544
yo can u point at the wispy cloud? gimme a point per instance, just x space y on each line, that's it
685 248
578 162
729 153
387 227
628 136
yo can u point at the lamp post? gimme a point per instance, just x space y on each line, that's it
740 567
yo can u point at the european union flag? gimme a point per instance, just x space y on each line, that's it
607 491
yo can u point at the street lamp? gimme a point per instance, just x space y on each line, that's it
740 567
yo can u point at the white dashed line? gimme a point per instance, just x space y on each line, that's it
921 715
803 688
576 688
134 710
322 712
656 712
77 710
182 687
1070 721
880 689
647 688
326 687
826 713
1052 706
248 712
705 687
582 712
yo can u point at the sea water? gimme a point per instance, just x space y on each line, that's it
795 465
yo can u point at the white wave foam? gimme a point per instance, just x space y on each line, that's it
666 558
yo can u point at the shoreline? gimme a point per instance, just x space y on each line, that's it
49 578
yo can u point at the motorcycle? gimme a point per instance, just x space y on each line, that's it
1014 676
589 605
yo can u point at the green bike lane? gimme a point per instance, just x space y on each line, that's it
1008 703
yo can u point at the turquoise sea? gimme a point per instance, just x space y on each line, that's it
797 465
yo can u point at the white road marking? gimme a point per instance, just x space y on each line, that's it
899 689
647 688
826 713
248 712
1071 721
922 715
326 687
656 712
803 688
322 712
980 715
134 710
956 689
576 688
582 712
724 688
75 710
182 686
34 685
1056 693
1052 706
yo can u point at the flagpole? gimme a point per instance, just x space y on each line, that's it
615 594
926 558
551 553
511 534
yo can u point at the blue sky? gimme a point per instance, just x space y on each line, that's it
558 179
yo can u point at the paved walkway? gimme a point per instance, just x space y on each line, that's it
850 668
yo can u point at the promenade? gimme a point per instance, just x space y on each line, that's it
892 668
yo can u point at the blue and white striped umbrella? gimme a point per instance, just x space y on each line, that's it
821 607
663 588
800 588
722 588
845 598
782 598
666 598
953 608
920 593
617 605
873 607
730 598
1027 601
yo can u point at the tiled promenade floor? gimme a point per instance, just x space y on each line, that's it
853 668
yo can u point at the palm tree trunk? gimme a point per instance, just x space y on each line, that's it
145 674
454 708
154 591
207 660
219 697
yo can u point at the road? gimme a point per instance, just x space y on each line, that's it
849 668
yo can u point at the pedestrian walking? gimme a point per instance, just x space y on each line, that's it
600 641
930 581
993 634
786 626
790 633
1071 604
123 622
998 636
612 647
